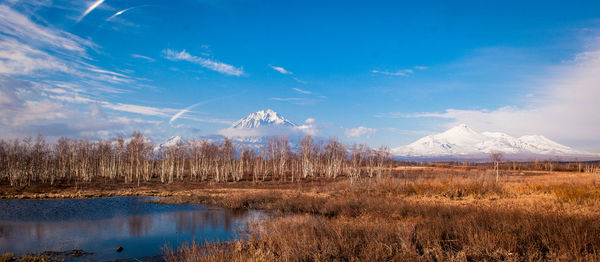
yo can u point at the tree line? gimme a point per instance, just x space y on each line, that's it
136 160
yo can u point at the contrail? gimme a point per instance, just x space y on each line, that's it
91 8
115 15
119 13
187 109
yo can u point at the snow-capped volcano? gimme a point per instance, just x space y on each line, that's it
462 141
258 127
255 130
263 118
173 141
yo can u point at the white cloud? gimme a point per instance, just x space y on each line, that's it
204 62
143 110
564 107
309 129
290 132
27 48
149 59
280 70
39 103
91 8
16 109
119 13
15 24
19 59
74 97
403 72
421 67
183 111
359 131
299 80
309 120
305 92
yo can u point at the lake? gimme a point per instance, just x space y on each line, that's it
101 225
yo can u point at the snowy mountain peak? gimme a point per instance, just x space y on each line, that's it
173 141
460 130
263 118
462 141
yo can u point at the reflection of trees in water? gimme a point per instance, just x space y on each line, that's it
40 231
197 222
62 235
5 231
139 225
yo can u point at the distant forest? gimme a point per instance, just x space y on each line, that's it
135 160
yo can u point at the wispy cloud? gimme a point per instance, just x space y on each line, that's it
287 72
143 110
305 92
306 97
181 113
91 8
74 97
359 131
280 70
403 72
32 100
119 13
27 48
19 59
300 81
149 59
285 98
204 62
18 26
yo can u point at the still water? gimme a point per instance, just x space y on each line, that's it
101 225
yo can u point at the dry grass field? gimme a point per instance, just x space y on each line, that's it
420 213
448 213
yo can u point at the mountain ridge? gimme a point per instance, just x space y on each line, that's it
463 142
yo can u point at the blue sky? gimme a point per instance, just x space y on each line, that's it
379 72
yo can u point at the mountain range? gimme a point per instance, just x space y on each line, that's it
462 142
457 143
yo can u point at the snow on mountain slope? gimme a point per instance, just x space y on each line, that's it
173 141
263 118
254 130
464 141
257 128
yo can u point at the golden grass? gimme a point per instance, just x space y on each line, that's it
420 213
422 216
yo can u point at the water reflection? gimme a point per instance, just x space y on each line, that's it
101 225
